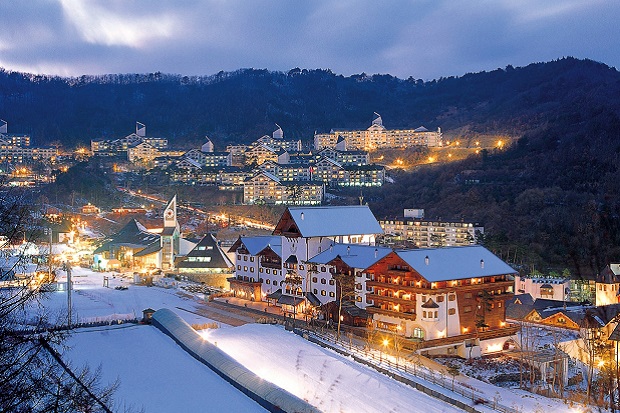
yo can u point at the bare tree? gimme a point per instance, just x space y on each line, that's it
33 376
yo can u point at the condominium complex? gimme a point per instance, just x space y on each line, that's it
137 146
15 148
377 137
272 173
425 233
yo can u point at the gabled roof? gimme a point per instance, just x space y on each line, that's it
265 173
207 247
354 255
275 295
519 306
615 335
290 300
421 129
430 304
151 249
609 275
257 244
133 235
329 221
189 162
313 299
325 159
454 263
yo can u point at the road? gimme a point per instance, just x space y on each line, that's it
209 215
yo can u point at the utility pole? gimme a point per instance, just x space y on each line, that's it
68 270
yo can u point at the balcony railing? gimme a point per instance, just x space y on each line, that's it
507 331
392 299
243 280
271 264
391 313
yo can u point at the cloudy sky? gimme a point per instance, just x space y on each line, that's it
420 38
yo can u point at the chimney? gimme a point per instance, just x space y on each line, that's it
481 263
348 249
302 216
427 260
376 252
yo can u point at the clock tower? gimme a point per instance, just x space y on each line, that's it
170 235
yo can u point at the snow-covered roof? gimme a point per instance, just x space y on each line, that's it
354 255
453 263
335 220
254 245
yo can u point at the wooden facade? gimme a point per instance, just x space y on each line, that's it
442 312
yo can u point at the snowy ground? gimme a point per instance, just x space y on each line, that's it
158 375
323 378
155 374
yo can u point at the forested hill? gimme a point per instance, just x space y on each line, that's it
244 105
550 201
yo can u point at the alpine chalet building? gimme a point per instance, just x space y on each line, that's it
440 300
263 263
450 299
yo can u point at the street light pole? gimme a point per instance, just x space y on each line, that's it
49 256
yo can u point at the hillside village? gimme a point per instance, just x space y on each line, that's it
323 266
428 286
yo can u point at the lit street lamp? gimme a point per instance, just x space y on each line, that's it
382 349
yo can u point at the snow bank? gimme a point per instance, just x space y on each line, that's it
265 393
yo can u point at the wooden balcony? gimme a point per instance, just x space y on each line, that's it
243 281
397 300
271 264
391 313
394 272
410 287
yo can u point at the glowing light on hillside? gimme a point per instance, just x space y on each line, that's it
500 144
477 143
431 159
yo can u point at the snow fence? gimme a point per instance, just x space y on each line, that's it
267 394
